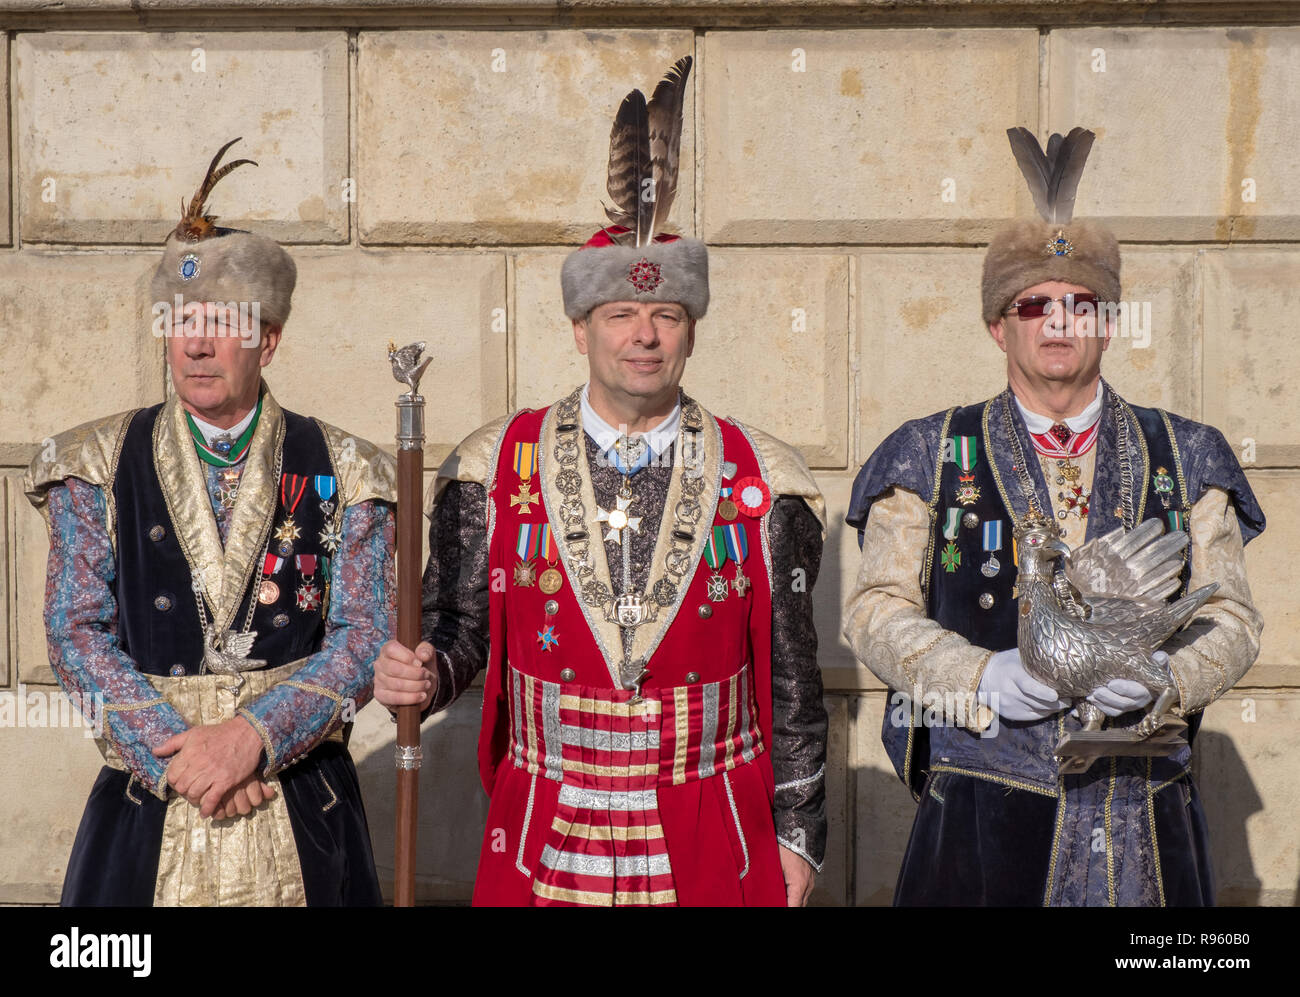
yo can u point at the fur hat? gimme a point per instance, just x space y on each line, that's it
1030 252
669 269
204 262
628 261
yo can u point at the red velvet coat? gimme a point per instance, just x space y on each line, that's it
720 854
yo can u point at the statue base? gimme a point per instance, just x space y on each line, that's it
1077 750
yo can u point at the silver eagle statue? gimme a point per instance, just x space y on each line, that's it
1097 613
407 366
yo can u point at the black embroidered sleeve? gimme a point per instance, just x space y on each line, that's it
798 712
454 617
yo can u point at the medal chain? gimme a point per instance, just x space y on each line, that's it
1125 461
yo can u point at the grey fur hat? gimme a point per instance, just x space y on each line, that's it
229 266
603 271
204 262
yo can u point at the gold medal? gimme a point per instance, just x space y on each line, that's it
727 510
551 581
524 499
268 592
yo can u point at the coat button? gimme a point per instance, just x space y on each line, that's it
692 677
568 675
705 611
986 600
156 533
178 669
970 520
162 603
552 607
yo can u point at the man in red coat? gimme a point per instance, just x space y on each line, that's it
636 576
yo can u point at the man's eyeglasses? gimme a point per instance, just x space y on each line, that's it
1038 305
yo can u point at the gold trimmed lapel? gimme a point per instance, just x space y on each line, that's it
570 501
693 490
684 527
223 574
255 505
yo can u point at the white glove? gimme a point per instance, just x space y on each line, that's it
1120 695
1013 692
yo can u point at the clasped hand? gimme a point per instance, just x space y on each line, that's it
214 766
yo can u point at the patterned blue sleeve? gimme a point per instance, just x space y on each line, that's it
334 683
81 634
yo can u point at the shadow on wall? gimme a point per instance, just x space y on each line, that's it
452 806
1230 798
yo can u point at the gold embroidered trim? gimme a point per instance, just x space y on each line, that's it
110 499
1155 842
320 690
334 797
993 466
1182 489
224 574
1001 780
681 733
1169 782
128 707
1146 458
1110 851
1215 664
934 793
1060 822
932 507
265 736
131 781
920 654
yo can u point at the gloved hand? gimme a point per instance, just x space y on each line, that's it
1013 693
1120 695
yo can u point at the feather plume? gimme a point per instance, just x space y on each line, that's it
1053 177
644 156
629 165
666 139
195 223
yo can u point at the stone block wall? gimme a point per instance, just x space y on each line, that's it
429 167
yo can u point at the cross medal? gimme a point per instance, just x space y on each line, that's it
617 518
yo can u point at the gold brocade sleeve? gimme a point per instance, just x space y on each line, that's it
885 619
365 472
474 460
788 472
88 452
1215 650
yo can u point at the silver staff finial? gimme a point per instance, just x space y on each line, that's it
407 366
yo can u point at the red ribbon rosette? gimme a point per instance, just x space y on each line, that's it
752 496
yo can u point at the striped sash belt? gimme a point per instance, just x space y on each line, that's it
610 751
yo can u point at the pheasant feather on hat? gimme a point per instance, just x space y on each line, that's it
204 262
634 260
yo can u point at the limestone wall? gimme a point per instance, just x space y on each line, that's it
430 167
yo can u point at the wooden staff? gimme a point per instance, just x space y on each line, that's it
407 368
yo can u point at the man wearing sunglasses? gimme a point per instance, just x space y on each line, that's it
933 612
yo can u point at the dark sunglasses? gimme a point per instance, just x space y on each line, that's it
1037 305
